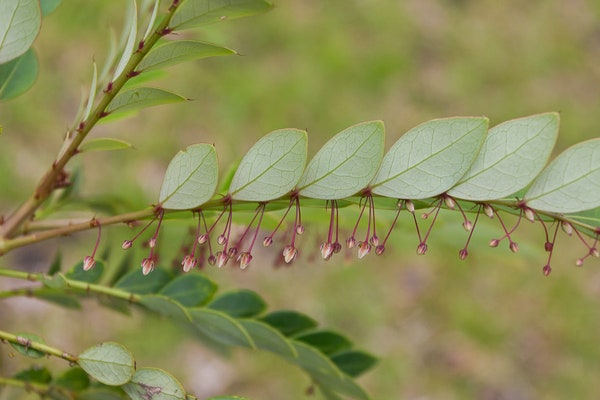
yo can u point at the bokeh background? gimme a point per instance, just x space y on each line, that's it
490 327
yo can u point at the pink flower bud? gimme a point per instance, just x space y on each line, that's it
364 248
375 240
88 263
222 258
289 253
494 243
221 239
488 210
450 203
379 249
337 247
232 251
422 248
546 270
188 262
463 254
244 259
579 262
567 227
147 265
468 225
548 246
326 250
529 214
513 246
212 260
594 252
202 238
152 242
268 241
410 206
127 244
299 229
350 242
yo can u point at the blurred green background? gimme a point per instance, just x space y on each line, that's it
491 327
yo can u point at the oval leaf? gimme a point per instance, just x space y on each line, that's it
571 183
327 342
109 363
268 338
512 155
73 379
195 13
34 374
135 99
104 144
18 75
173 53
354 363
240 303
430 158
345 164
136 282
25 348
289 322
191 178
165 306
20 22
220 327
154 384
190 290
92 276
272 167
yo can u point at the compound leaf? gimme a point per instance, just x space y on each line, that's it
272 167
191 178
241 303
173 53
195 13
268 338
220 327
155 384
190 290
512 155
166 306
430 158
142 97
109 363
20 22
289 322
327 342
18 75
345 164
571 183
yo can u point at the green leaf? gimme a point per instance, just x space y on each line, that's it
165 306
104 144
104 393
75 379
92 94
24 349
54 281
228 398
220 327
190 290
154 384
571 183
18 75
136 282
142 97
289 322
20 22
59 297
109 363
345 164
173 53
272 167
241 303
56 264
268 338
49 5
131 27
191 178
92 276
34 374
354 363
430 158
195 13
512 155
327 342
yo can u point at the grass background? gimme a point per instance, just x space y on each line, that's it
491 327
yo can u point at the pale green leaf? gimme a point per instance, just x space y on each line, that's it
154 384
20 22
150 27
195 13
25 349
345 164
18 75
49 5
109 363
268 338
104 144
131 26
571 183
191 178
512 155
166 306
135 99
173 53
220 327
92 94
430 158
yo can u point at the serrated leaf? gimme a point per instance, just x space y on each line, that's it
154 384
272 167
109 363
173 53
328 342
190 290
104 144
220 327
512 155
20 22
195 13
430 158
354 363
165 306
25 349
136 282
142 97
345 164
241 303
268 338
18 75
92 276
288 322
191 178
131 23
34 374
571 183
48 6
73 379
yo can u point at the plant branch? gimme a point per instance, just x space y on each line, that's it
39 388
41 347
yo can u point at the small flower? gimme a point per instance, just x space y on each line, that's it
351 242
244 259
514 247
463 253
379 249
88 263
364 248
546 270
222 258
232 251
188 262
422 248
147 265
126 244
326 250
268 241
289 253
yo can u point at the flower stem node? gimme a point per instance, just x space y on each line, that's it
188 262
289 253
148 265
88 263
